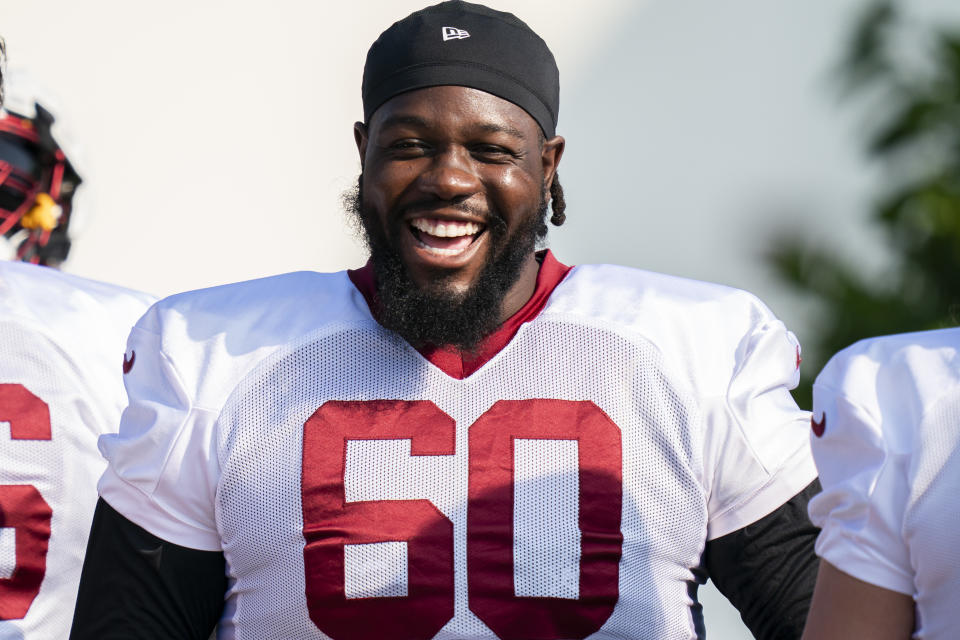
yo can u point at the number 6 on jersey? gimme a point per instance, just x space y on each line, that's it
23 511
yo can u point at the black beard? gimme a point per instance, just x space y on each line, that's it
433 315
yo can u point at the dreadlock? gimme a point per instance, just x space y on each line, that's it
557 202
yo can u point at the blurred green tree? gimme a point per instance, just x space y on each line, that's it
913 107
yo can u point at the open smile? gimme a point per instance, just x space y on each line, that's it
445 238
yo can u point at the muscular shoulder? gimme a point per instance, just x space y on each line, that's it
892 379
218 334
708 329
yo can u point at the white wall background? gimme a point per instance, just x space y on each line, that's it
216 135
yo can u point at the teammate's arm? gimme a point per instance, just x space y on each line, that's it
768 569
135 585
844 607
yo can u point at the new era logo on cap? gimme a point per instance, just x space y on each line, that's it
452 33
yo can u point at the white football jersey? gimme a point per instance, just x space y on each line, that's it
61 347
565 489
887 442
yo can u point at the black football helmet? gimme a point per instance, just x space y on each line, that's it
37 185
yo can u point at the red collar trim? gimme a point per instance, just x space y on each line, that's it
454 362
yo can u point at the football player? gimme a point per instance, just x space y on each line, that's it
887 443
465 438
61 338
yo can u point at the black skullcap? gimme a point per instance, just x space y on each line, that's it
468 45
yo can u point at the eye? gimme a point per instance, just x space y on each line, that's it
408 148
492 153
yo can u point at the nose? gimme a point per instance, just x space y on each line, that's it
451 175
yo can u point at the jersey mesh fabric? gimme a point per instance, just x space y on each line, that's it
259 512
930 523
546 498
63 469
61 339
673 394
375 570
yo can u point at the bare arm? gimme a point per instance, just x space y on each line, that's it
844 607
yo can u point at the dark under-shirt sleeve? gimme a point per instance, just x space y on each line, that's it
768 569
135 585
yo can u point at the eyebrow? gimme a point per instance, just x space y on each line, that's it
417 121
398 120
490 127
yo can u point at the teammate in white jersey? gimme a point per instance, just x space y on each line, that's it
465 438
886 438
61 342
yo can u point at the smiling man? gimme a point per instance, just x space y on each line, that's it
456 186
465 438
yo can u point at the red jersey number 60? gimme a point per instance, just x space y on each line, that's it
330 522
22 508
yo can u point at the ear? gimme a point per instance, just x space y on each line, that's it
360 135
550 156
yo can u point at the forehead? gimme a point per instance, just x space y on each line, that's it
454 107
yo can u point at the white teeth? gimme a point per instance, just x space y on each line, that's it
446 228
440 252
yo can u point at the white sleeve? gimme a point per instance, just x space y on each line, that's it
756 454
163 467
864 477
